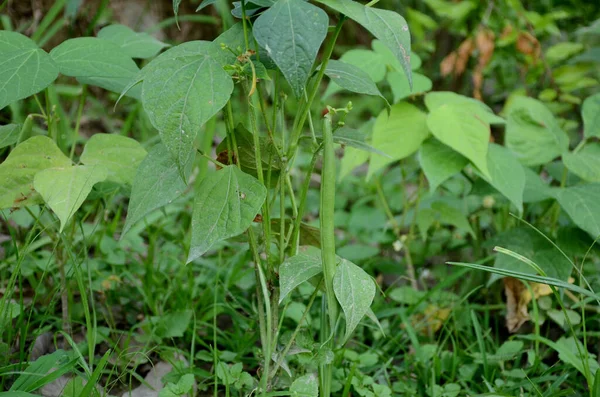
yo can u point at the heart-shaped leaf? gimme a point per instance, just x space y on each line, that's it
351 78
134 44
227 202
65 189
387 26
21 165
298 269
354 290
180 94
460 128
119 155
398 134
25 69
582 203
533 133
585 163
291 32
157 183
439 162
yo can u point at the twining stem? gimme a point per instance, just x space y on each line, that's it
326 218
264 298
305 110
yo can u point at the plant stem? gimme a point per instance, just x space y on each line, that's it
301 117
296 330
267 310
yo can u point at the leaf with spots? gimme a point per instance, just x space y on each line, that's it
388 26
292 31
354 290
227 202
180 93
21 166
351 78
65 189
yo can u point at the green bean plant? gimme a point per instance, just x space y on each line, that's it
248 77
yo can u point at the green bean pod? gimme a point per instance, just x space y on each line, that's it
328 178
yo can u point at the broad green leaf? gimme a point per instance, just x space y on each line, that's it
398 134
434 100
24 72
133 44
585 163
21 165
305 386
561 51
354 290
439 162
461 129
390 59
582 203
157 183
451 10
401 89
368 61
119 155
9 134
351 78
292 31
97 62
530 244
298 269
569 353
353 157
387 26
440 212
92 57
354 138
535 189
172 325
590 112
180 94
204 4
533 133
12 41
506 174
65 189
227 202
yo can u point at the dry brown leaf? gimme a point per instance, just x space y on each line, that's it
485 43
447 64
527 44
518 297
516 312
455 63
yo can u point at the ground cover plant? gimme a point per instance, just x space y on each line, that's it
290 208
